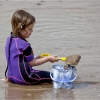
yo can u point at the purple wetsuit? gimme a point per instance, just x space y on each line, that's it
18 53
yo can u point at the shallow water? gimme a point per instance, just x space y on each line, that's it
62 28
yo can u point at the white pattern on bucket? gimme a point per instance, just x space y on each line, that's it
63 78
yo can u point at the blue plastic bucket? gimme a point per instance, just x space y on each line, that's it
63 78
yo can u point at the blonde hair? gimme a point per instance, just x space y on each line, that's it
20 20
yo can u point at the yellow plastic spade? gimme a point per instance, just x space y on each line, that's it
62 58
45 54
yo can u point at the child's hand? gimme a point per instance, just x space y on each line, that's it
53 58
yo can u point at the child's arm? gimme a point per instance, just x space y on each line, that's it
38 57
40 61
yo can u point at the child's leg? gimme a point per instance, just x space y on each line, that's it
44 77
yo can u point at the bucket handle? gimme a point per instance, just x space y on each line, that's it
61 81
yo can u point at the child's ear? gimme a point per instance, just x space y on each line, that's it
20 30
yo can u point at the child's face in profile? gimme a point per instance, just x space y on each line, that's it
27 32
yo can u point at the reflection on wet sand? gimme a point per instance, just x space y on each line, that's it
44 91
41 92
84 84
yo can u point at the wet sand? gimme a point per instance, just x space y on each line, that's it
62 28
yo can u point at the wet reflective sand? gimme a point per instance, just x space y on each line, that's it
36 92
81 90
62 28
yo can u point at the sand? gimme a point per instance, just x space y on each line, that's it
63 27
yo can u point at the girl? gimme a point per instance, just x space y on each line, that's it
19 55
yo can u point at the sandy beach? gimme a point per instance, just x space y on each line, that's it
63 27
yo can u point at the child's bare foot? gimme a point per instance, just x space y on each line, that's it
5 80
